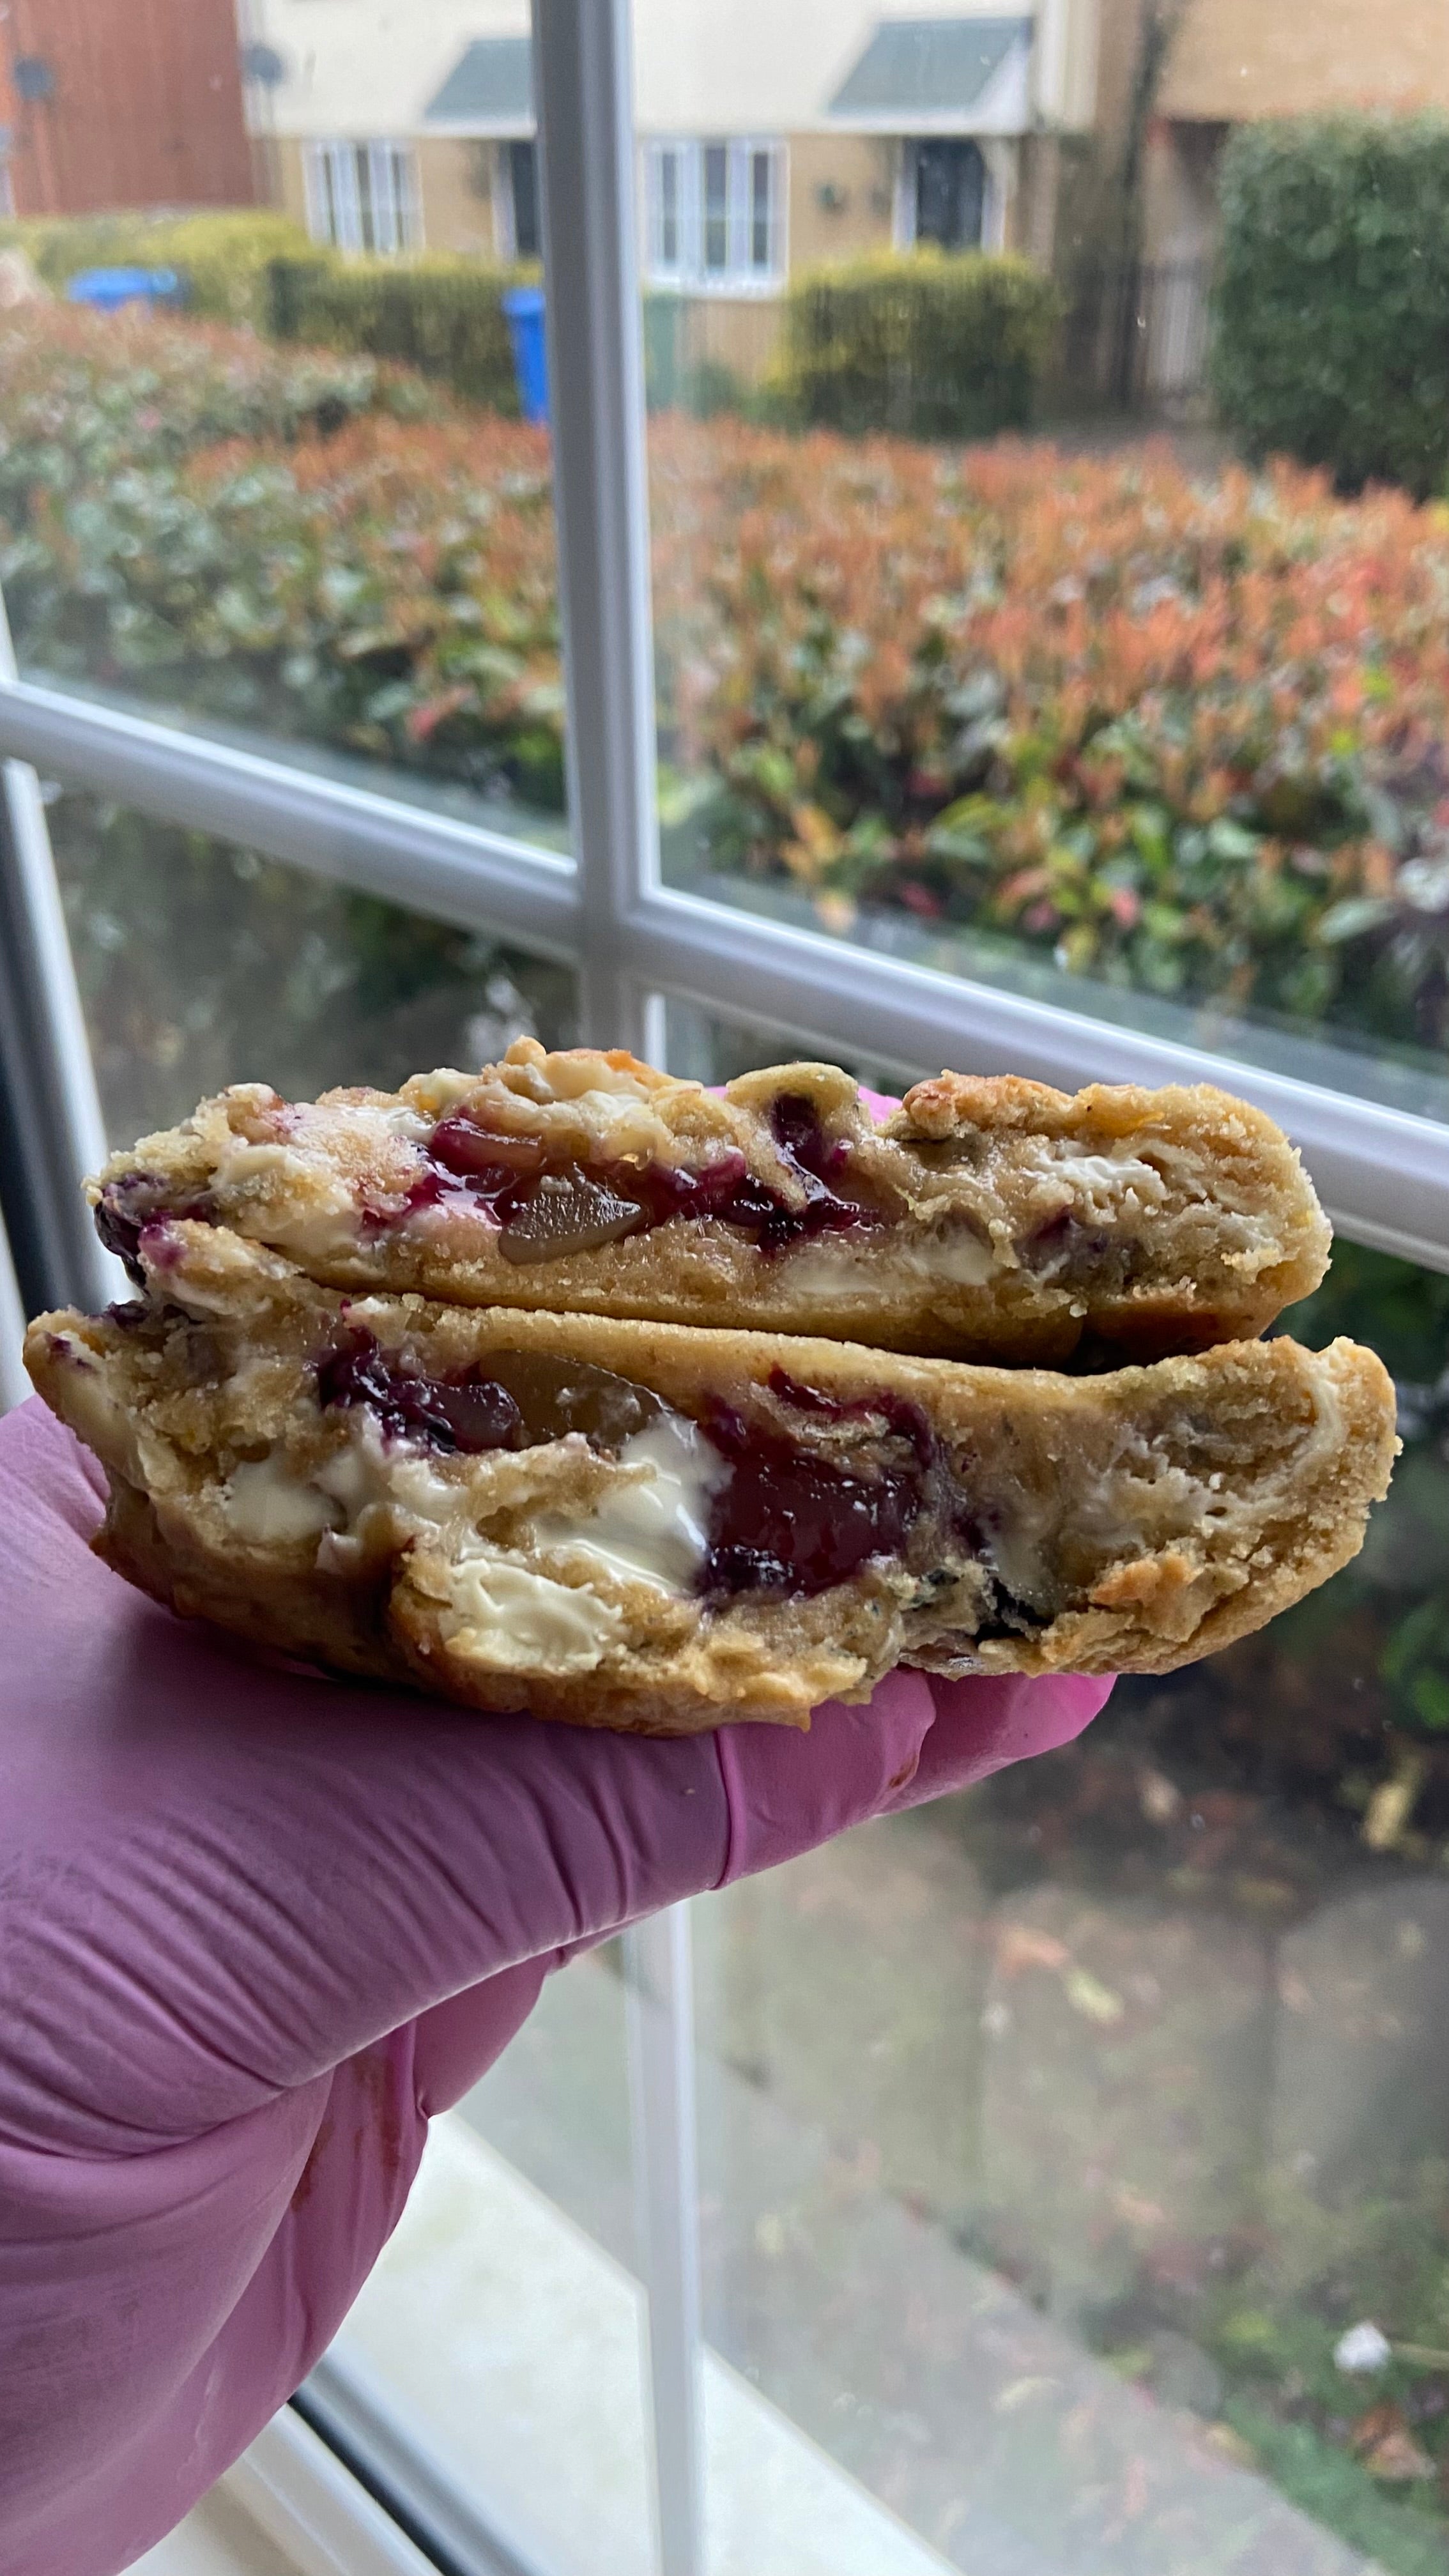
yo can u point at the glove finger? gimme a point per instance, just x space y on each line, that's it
456 2042
788 1790
983 1725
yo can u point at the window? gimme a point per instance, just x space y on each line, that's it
364 197
715 215
1054 2143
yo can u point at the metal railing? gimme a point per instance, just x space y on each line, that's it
1134 338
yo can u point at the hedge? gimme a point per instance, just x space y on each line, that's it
442 316
1332 299
224 257
1184 737
931 344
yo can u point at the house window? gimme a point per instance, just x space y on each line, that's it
364 197
715 214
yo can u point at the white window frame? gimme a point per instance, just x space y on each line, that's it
357 187
1382 1173
684 161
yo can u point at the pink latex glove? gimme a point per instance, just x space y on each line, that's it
255 1927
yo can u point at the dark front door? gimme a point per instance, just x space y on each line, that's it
523 180
950 192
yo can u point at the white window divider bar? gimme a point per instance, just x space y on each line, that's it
1382 1173
59 1132
659 1996
584 89
379 844
584 86
14 1385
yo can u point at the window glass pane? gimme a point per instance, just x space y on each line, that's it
367 220
669 209
1055 2138
1079 626
272 452
716 206
701 1048
201 964
760 251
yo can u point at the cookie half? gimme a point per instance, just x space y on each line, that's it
660 1527
986 1219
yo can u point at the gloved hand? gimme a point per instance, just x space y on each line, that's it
255 1926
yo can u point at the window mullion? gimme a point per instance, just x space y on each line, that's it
408 854
1382 1172
660 2006
596 376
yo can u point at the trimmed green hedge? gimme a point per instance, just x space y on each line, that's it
1332 301
443 316
926 343
224 256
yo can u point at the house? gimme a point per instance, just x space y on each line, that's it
111 103
769 138
772 137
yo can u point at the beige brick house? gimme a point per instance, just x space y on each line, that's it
772 133
777 133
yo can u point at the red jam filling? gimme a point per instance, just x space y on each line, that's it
521 1398
788 1522
137 1204
785 1521
546 1208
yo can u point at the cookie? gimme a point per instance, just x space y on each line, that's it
988 1219
659 1527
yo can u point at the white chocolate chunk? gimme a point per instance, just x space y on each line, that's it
267 1503
654 1526
516 1621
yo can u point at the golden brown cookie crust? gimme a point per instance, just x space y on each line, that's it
1011 1223
1126 1522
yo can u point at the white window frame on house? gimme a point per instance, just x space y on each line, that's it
364 197
633 942
715 213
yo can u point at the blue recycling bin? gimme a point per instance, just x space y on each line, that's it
523 306
109 288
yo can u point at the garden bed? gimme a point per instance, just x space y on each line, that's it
1183 736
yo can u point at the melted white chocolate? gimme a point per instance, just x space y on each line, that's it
653 1525
514 1620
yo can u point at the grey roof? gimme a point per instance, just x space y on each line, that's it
927 66
491 83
